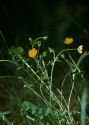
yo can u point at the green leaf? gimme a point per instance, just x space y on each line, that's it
48 111
28 106
50 50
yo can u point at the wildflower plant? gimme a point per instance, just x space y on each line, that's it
47 107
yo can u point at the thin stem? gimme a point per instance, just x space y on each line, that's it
51 83
76 66
51 77
62 96
31 69
82 57
47 103
71 93
45 37
64 51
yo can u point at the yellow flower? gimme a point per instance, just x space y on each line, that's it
32 52
80 49
68 41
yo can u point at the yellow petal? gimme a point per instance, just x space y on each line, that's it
68 41
32 52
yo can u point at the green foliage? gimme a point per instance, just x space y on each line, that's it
16 52
46 103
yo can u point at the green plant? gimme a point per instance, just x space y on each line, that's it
47 106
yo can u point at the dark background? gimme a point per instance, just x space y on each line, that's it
33 18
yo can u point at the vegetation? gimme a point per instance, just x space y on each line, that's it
34 98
